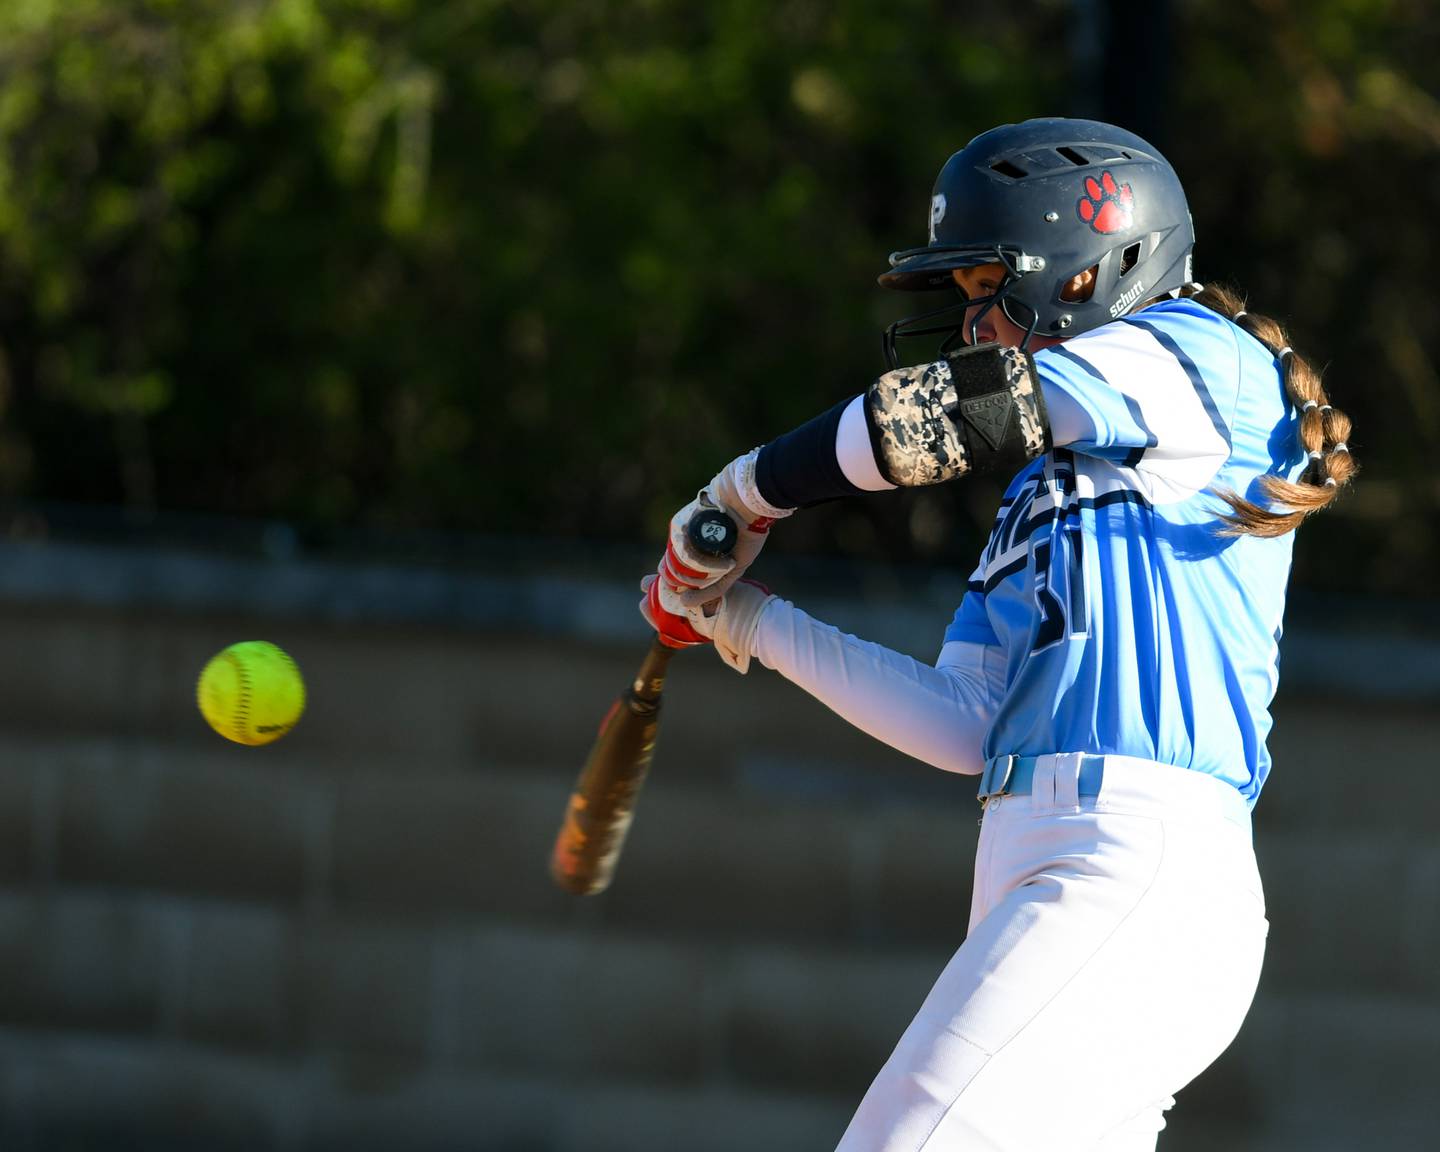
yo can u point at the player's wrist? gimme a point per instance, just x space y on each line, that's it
700 578
730 621
737 622
736 489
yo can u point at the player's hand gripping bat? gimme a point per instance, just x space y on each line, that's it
603 802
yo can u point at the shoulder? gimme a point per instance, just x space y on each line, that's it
1178 333
1179 326
1185 322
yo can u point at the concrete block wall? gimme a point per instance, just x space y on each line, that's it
349 939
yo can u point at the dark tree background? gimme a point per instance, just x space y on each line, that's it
539 267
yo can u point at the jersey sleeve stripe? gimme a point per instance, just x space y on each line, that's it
1132 405
1150 392
1136 454
993 579
1166 341
1079 361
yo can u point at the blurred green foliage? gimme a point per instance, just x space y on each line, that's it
542 266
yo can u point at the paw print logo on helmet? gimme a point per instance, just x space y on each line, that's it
1106 206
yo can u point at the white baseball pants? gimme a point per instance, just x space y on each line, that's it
1114 948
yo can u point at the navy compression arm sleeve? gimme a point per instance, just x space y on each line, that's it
800 468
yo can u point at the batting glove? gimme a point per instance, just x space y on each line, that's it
729 622
697 578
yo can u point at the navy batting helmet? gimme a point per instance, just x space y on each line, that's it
1048 199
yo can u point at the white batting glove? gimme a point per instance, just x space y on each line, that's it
729 622
697 578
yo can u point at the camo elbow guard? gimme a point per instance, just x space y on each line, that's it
978 410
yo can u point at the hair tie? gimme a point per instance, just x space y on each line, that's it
1325 408
1285 351
1309 404
1341 447
1316 456
1239 314
1330 482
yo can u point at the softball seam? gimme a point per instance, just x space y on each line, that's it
242 706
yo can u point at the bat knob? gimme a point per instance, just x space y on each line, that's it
712 532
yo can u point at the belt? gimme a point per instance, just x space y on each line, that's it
1015 776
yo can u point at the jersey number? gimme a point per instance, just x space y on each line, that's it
1062 609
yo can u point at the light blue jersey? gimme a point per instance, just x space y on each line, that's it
1129 624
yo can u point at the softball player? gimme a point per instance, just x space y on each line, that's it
1109 672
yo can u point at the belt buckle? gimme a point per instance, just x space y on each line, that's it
1003 789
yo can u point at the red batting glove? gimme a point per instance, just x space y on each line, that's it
674 631
698 578
679 575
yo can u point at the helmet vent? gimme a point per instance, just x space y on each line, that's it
1073 156
1005 168
1130 257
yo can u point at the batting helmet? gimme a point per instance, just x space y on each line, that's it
1048 199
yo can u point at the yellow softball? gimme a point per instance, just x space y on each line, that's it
251 692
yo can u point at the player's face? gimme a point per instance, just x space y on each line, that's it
984 280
